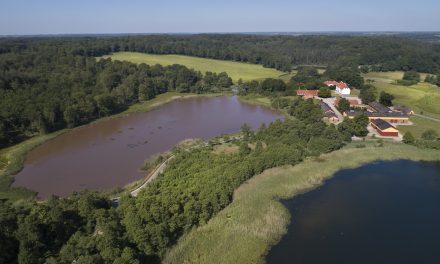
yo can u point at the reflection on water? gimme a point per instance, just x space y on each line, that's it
109 153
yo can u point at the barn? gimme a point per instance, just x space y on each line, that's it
384 128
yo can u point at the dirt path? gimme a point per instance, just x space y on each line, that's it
428 117
153 175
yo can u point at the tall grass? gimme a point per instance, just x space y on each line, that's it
256 220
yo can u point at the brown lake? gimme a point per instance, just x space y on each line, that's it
111 152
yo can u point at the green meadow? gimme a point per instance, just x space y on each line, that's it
236 70
423 98
255 220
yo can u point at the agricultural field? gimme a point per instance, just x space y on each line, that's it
236 70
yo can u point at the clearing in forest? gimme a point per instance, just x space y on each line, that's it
236 70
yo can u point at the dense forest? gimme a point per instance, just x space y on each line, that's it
383 53
49 83
197 184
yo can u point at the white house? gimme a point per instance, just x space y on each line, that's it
341 87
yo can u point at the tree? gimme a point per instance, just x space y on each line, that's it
306 75
244 149
408 138
411 76
246 131
324 92
386 98
271 85
368 94
430 134
343 105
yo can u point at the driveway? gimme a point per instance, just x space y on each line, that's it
331 102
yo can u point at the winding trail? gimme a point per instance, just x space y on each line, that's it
150 177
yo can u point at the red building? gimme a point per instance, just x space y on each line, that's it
307 93
384 128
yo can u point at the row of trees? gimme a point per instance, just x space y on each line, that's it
196 185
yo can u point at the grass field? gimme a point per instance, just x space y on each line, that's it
256 220
235 70
423 98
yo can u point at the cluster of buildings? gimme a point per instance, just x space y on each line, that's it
340 88
329 114
382 117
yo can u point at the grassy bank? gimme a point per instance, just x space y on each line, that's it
255 220
12 159
236 70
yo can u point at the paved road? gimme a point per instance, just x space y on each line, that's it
427 117
153 175
331 102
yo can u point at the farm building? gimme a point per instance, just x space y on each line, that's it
341 87
378 107
384 128
353 102
391 117
329 114
307 93
404 109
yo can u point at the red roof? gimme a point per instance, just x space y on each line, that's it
341 85
307 92
353 102
328 83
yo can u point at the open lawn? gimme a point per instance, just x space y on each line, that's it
235 70
420 126
255 220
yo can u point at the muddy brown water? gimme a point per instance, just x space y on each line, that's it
110 153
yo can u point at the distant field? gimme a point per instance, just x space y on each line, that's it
389 76
235 70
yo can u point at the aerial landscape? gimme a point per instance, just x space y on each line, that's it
208 132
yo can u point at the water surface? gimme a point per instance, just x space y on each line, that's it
109 153
384 212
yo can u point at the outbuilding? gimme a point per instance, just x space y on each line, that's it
384 128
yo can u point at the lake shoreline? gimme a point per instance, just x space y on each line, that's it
248 234
15 155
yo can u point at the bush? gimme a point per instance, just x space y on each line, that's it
408 138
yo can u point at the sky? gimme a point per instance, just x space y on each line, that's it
29 17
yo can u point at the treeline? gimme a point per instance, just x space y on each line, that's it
196 185
46 91
380 53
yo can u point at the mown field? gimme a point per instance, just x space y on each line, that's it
423 98
236 70
256 220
